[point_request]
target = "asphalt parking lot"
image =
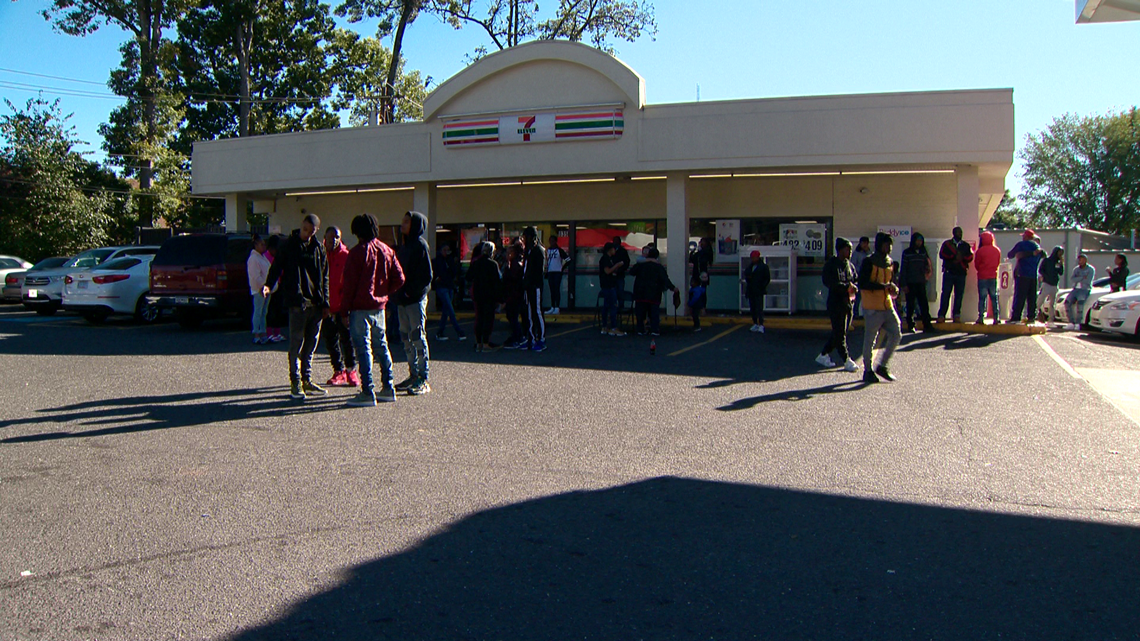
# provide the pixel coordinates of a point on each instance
(157, 483)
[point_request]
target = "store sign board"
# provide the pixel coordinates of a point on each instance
(727, 241)
(807, 239)
(534, 127)
(901, 235)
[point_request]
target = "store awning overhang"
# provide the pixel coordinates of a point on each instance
(1089, 11)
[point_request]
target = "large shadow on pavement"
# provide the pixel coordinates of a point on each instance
(672, 558)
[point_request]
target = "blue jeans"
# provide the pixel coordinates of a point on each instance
(609, 308)
(443, 298)
(260, 309)
(988, 287)
(369, 339)
(413, 319)
(1075, 305)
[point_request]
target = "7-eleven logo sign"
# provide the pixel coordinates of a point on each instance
(526, 129)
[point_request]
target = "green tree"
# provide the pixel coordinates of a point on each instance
(1085, 171)
(1011, 214)
(361, 66)
(48, 202)
(145, 21)
(254, 67)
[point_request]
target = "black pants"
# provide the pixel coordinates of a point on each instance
(1024, 295)
(696, 313)
(555, 281)
(756, 304)
(840, 323)
(304, 330)
(338, 341)
(917, 306)
(653, 310)
(534, 323)
(513, 309)
(484, 321)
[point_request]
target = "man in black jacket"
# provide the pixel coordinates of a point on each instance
(840, 279)
(411, 301)
(445, 283)
(303, 269)
(756, 280)
(650, 280)
(534, 260)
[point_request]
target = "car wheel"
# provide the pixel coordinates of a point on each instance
(45, 311)
(189, 319)
(96, 317)
(145, 312)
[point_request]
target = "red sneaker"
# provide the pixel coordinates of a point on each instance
(353, 378)
(338, 379)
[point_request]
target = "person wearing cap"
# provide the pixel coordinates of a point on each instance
(840, 278)
(1027, 252)
(876, 279)
(756, 279)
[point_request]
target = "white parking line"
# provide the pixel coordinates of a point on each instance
(1055, 356)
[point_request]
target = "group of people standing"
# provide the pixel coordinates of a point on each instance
(342, 293)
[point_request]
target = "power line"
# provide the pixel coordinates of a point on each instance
(40, 75)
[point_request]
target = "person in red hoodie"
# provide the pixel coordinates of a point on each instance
(335, 328)
(986, 261)
(371, 274)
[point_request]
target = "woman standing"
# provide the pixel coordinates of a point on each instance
(1118, 276)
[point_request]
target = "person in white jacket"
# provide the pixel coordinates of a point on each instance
(257, 266)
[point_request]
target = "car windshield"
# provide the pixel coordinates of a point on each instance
(118, 264)
(193, 251)
(90, 258)
(49, 263)
(10, 263)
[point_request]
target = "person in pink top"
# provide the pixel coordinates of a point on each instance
(337, 338)
(986, 261)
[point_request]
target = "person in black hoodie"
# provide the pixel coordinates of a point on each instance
(486, 290)
(916, 270)
(534, 262)
(445, 283)
(411, 301)
(302, 267)
(841, 280)
(1050, 271)
(650, 280)
(756, 280)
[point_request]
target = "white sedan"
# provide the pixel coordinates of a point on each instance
(1100, 288)
(12, 265)
(118, 286)
(1119, 312)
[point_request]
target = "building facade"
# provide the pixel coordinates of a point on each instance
(559, 135)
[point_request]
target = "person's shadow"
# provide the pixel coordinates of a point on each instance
(673, 558)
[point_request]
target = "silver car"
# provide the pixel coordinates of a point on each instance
(43, 290)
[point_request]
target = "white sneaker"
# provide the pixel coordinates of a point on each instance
(824, 360)
(754, 328)
(556, 310)
(761, 330)
(552, 310)
(850, 366)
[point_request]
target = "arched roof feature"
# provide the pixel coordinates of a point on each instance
(630, 84)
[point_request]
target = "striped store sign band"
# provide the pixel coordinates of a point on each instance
(537, 127)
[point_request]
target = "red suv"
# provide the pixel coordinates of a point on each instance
(201, 276)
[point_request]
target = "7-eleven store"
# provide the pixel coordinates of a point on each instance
(558, 135)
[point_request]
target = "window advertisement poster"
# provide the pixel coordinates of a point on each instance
(901, 235)
(727, 241)
(808, 240)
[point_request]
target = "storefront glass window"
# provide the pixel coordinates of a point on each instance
(590, 238)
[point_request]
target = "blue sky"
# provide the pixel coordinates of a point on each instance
(747, 49)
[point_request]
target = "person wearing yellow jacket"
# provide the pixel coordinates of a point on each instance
(876, 281)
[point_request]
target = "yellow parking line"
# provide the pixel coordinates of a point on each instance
(569, 331)
(714, 338)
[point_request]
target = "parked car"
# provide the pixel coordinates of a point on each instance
(200, 276)
(1100, 288)
(10, 265)
(1120, 313)
(14, 281)
(118, 286)
(43, 289)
